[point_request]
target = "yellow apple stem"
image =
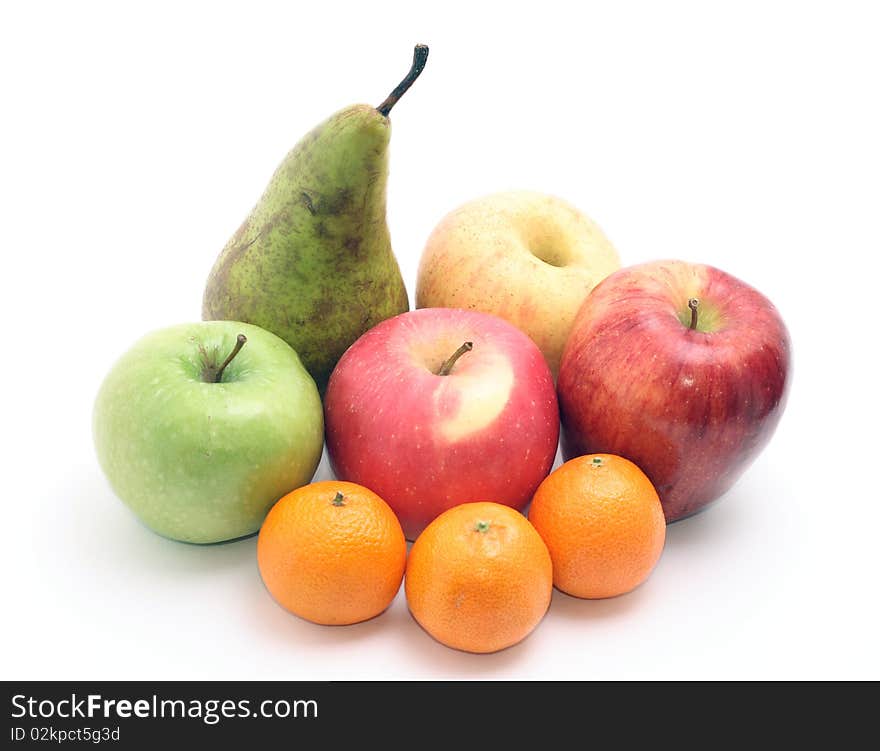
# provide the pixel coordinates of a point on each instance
(239, 343)
(693, 304)
(420, 57)
(447, 365)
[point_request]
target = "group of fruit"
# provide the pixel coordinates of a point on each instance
(441, 423)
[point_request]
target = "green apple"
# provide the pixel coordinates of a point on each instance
(201, 427)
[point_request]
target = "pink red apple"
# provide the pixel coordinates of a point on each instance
(438, 407)
(681, 368)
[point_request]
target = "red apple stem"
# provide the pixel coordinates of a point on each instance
(693, 304)
(239, 343)
(447, 365)
(420, 57)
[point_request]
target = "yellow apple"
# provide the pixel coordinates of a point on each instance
(527, 257)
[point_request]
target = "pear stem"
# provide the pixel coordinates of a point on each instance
(693, 304)
(447, 365)
(420, 57)
(239, 343)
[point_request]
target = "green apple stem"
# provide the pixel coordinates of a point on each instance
(447, 365)
(420, 57)
(239, 343)
(693, 304)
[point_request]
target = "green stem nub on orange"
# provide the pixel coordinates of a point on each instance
(482, 526)
(339, 500)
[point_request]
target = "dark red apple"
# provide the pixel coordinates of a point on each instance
(438, 407)
(681, 368)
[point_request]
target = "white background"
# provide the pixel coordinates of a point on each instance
(740, 134)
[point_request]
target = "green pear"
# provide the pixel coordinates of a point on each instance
(312, 263)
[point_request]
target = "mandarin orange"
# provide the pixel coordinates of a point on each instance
(602, 521)
(332, 552)
(479, 577)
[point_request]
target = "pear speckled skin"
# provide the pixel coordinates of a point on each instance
(201, 461)
(313, 261)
